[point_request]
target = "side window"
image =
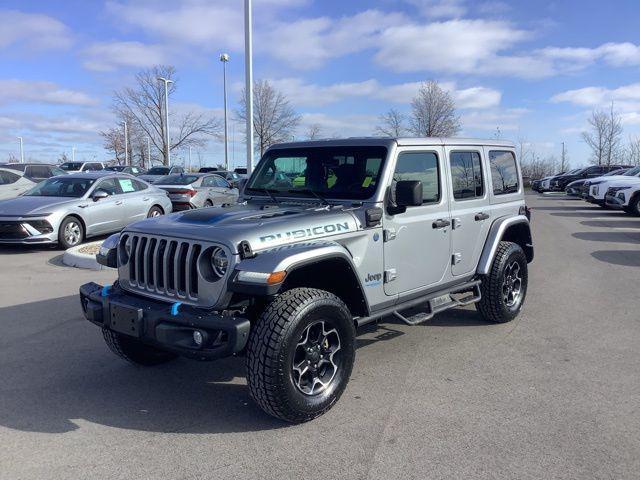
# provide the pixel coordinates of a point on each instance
(37, 171)
(7, 178)
(421, 166)
(109, 186)
(221, 182)
(504, 174)
(208, 182)
(126, 185)
(466, 175)
(139, 186)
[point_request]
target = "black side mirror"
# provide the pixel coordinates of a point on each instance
(99, 195)
(408, 193)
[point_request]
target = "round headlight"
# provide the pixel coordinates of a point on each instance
(127, 246)
(219, 262)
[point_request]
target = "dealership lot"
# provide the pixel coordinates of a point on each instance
(552, 395)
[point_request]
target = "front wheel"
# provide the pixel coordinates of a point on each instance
(505, 287)
(634, 206)
(300, 354)
(70, 232)
(154, 211)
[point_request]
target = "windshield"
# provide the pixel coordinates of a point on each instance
(71, 166)
(333, 172)
(117, 168)
(61, 187)
(158, 171)
(616, 172)
(178, 180)
(633, 172)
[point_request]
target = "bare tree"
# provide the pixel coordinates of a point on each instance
(314, 131)
(392, 124)
(434, 112)
(633, 151)
(142, 106)
(605, 136)
(63, 158)
(274, 119)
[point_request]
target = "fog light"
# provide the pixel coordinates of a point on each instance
(198, 339)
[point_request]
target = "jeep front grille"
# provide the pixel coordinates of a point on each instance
(164, 266)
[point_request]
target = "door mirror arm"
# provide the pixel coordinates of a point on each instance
(99, 195)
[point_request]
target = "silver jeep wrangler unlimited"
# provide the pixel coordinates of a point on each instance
(328, 236)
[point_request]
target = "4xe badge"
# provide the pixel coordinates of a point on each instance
(373, 279)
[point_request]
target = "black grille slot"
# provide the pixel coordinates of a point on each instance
(165, 267)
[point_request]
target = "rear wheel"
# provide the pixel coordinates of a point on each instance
(634, 206)
(70, 233)
(505, 287)
(208, 203)
(300, 354)
(134, 351)
(155, 211)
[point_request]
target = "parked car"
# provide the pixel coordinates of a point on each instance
(78, 167)
(597, 187)
(559, 183)
(545, 183)
(232, 177)
(575, 188)
(13, 183)
(130, 169)
(208, 169)
(156, 173)
(241, 171)
(67, 209)
(196, 190)
(625, 196)
(287, 276)
(36, 172)
(535, 185)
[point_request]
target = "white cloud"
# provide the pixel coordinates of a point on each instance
(440, 8)
(304, 94)
(340, 125)
(627, 96)
(32, 31)
(16, 91)
(108, 56)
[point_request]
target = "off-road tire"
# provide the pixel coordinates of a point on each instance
(492, 306)
(272, 345)
(134, 351)
(155, 211)
(62, 241)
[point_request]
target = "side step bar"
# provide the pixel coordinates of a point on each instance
(436, 302)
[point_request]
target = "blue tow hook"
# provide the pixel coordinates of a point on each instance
(105, 290)
(174, 308)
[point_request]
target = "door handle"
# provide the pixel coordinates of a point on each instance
(119, 202)
(440, 223)
(481, 216)
(145, 199)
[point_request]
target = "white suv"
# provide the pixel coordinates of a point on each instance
(625, 196)
(597, 188)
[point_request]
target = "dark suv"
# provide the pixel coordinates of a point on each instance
(559, 183)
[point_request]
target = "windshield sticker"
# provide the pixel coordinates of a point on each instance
(307, 232)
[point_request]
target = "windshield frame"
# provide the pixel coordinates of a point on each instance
(376, 151)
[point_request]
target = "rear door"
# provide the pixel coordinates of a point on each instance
(417, 242)
(470, 210)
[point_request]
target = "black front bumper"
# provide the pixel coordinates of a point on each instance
(613, 201)
(594, 200)
(164, 325)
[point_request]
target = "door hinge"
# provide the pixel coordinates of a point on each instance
(456, 223)
(389, 234)
(390, 275)
(456, 258)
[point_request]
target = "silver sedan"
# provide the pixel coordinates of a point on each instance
(196, 190)
(67, 209)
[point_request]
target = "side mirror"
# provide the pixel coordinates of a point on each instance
(99, 195)
(408, 193)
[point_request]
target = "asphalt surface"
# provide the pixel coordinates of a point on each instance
(554, 394)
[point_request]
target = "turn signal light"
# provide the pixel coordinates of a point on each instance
(276, 277)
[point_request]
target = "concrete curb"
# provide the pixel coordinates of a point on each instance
(74, 258)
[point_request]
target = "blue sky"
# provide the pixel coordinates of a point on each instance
(534, 69)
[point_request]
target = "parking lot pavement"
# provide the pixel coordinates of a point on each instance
(553, 394)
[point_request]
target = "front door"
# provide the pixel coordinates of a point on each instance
(470, 209)
(417, 248)
(105, 215)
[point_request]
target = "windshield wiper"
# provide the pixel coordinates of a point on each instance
(308, 191)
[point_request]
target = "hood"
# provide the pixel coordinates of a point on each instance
(616, 181)
(611, 178)
(576, 183)
(18, 206)
(261, 227)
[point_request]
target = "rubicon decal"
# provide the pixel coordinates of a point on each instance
(307, 232)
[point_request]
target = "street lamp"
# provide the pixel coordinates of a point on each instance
(73, 154)
(126, 144)
(248, 72)
(224, 58)
(21, 150)
(166, 82)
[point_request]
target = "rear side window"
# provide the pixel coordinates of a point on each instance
(139, 186)
(504, 174)
(37, 171)
(421, 166)
(466, 175)
(126, 185)
(7, 178)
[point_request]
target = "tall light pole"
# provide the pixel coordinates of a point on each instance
(189, 167)
(126, 144)
(73, 154)
(224, 58)
(248, 72)
(166, 82)
(21, 150)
